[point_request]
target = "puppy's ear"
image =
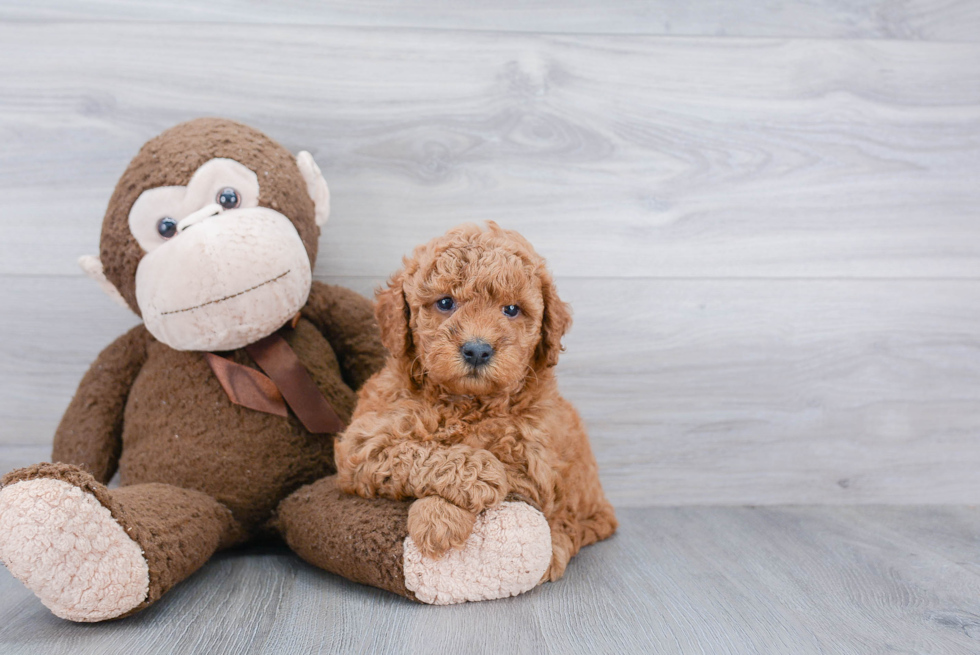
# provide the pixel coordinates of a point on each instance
(393, 316)
(555, 322)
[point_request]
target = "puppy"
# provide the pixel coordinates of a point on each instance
(466, 411)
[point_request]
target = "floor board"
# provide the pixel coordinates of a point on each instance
(673, 580)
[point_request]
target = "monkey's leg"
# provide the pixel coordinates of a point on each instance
(367, 541)
(92, 554)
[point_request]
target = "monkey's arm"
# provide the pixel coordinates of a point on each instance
(346, 319)
(90, 432)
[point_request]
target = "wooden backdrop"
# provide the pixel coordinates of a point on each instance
(765, 215)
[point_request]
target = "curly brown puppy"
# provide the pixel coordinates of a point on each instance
(466, 411)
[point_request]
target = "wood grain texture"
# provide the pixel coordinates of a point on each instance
(673, 580)
(941, 20)
(772, 246)
(695, 391)
(618, 156)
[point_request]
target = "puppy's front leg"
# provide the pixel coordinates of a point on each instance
(436, 525)
(382, 460)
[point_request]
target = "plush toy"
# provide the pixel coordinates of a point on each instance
(224, 402)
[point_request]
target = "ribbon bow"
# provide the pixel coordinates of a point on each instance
(286, 382)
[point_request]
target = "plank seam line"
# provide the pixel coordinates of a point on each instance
(471, 30)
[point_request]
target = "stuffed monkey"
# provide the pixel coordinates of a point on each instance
(219, 411)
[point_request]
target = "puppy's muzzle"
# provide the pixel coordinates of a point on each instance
(477, 353)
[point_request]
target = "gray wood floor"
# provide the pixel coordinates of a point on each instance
(713, 580)
(791, 579)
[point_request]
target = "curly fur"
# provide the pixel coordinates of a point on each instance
(429, 426)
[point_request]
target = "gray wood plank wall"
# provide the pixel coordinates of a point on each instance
(933, 20)
(769, 228)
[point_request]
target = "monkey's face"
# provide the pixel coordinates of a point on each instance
(220, 271)
(211, 235)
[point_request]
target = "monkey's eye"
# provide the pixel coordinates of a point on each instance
(446, 304)
(167, 227)
(511, 311)
(228, 198)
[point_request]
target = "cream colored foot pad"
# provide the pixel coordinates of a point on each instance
(507, 554)
(66, 547)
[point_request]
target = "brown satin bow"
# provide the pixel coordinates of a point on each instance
(286, 382)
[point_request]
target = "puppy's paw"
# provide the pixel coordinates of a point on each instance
(484, 482)
(436, 525)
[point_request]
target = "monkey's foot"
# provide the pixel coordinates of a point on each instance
(507, 554)
(62, 543)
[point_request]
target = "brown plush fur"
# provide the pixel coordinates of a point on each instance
(198, 472)
(357, 538)
(246, 460)
(430, 427)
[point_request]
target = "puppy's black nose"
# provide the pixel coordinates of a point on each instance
(476, 353)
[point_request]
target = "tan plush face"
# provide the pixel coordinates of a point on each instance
(211, 234)
(220, 272)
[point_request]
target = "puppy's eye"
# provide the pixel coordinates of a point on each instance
(228, 198)
(167, 227)
(446, 304)
(511, 311)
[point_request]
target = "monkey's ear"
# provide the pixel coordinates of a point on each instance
(93, 268)
(315, 185)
